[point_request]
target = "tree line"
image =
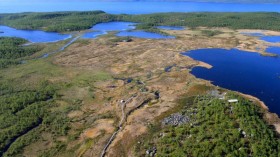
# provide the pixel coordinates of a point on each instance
(76, 21)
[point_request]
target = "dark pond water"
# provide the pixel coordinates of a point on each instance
(247, 72)
(171, 27)
(132, 7)
(143, 34)
(33, 36)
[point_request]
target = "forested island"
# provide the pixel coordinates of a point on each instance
(71, 103)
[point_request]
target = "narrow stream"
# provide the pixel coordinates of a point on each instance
(39, 122)
(61, 49)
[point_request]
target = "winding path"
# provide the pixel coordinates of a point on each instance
(123, 104)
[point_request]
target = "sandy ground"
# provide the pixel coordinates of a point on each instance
(101, 125)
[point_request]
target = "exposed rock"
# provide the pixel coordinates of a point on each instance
(176, 119)
(151, 152)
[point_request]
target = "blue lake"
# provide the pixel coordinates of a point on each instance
(247, 72)
(103, 28)
(271, 39)
(132, 7)
(171, 27)
(273, 49)
(114, 26)
(92, 35)
(125, 29)
(33, 36)
(143, 34)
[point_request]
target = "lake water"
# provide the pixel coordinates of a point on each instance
(170, 27)
(273, 49)
(103, 28)
(125, 29)
(93, 35)
(135, 7)
(247, 72)
(114, 26)
(271, 39)
(36, 36)
(33, 36)
(143, 34)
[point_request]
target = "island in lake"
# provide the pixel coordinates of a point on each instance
(99, 84)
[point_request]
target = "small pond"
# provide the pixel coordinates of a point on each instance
(171, 27)
(253, 34)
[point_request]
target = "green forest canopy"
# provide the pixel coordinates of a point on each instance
(216, 128)
(75, 21)
(12, 49)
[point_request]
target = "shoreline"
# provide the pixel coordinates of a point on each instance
(253, 98)
(270, 117)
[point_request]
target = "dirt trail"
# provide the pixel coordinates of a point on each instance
(123, 104)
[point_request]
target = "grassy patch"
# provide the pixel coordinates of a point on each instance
(211, 33)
